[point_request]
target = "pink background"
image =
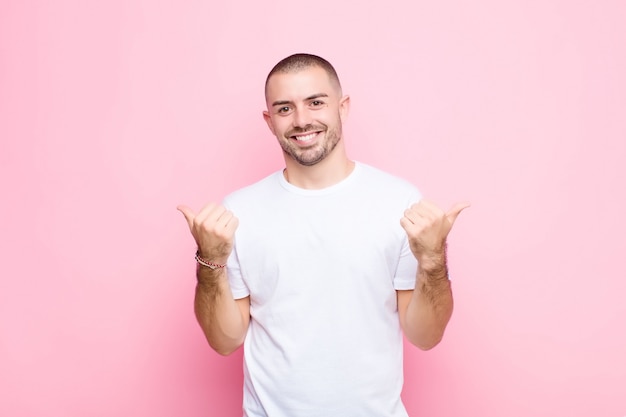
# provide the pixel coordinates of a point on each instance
(114, 112)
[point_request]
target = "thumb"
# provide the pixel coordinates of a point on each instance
(454, 212)
(188, 213)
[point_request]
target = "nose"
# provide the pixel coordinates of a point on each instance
(301, 118)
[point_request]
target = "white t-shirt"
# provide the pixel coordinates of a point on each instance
(322, 268)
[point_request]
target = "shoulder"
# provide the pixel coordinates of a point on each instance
(383, 182)
(256, 192)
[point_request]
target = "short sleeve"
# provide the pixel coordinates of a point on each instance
(237, 284)
(406, 272)
(238, 287)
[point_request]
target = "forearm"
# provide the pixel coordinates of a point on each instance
(218, 314)
(430, 306)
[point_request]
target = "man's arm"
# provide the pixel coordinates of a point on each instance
(426, 311)
(223, 319)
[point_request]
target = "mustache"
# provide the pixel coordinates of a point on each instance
(305, 129)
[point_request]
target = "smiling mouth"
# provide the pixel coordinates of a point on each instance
(305, 138)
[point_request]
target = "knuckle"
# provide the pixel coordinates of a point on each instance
(208, 228)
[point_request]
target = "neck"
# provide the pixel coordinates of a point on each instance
(333, 169)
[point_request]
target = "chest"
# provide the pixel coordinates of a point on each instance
(312, 246)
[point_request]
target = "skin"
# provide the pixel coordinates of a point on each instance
(305, 102)
(308, 105)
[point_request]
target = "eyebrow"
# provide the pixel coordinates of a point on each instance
(313, 97)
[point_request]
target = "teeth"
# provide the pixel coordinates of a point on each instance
(305, 138)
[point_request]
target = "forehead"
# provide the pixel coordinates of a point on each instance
(299, 84)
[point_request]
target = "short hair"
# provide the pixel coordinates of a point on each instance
(299, 62)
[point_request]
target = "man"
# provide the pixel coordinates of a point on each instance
(318, 268)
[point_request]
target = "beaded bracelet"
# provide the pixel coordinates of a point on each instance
(206, 263)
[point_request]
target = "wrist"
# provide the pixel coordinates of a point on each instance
(433, 261)
(208, 262)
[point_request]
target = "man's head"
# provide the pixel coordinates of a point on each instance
(305, 107)
(299, 62)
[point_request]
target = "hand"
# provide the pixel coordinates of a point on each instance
(427, 227)
(213, 228)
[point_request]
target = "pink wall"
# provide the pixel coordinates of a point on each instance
(113, 113)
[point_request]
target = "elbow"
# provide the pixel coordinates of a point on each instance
(427, 345)
(225, 349)
(425, 341)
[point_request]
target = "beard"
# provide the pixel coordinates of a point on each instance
(318, 151)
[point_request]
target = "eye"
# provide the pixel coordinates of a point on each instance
(317, 103)
(284, 109)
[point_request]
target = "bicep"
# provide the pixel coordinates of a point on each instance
(404, 298)
(244, 308)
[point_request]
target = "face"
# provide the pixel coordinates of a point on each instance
(305, 113)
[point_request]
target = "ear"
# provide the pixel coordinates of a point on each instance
(344, 107)
(268, 120)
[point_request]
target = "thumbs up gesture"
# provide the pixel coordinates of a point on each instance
(427, 227)
(213, 228)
